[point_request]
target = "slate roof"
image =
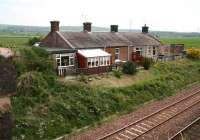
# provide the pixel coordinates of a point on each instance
(102, 39)
(141, 39)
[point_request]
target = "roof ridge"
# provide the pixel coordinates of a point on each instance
(152, 36)
(65, 40)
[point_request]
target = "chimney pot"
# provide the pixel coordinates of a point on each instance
(145, 29)
(87, 26)
(55, 26)
(114, 28)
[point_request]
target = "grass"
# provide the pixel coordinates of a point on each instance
(17, 41)
(190, 42)
(109, 80)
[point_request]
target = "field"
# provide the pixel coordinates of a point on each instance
(23, 40)
(190, 42)
(13, 41)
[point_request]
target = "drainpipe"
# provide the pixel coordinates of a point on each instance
(128, 53)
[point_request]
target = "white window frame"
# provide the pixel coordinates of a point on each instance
(102, 61)
(140, 50)
(117, 53)
(59, 59)
(93, 60)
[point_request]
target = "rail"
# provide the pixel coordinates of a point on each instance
(149, 116)
(182, 130)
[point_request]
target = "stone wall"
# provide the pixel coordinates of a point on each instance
(8, 76)
(6, 125)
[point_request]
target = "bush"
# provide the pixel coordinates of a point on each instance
(193, 53)
(34, 40)
(34, 59)
(117, 73)
(147, 62)
(129, 67)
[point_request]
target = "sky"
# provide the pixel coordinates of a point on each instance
(162, 15)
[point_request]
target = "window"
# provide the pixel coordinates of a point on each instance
(104, 61)
(139, 51)
(117, 53)
(108, 60)
(101, 61)
(154, 50)
(64, 60)
(58, 62)
(149, 50)
(98, 61)
(93, 62)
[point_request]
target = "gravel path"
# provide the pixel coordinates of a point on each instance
(108, 127)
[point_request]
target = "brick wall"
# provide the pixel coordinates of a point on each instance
(123, 53)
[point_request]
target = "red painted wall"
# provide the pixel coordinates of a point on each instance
(82, 61)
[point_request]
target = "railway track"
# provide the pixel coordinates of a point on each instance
(144, 126)
(191, 131)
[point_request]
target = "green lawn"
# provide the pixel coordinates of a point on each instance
(189, 42)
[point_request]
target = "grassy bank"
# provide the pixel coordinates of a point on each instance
(45, 108)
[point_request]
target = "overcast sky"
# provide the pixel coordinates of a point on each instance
(168, 15)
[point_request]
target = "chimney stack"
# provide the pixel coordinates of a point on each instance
(145, 29)
(113, 28)
(54, 26)
(87, 26)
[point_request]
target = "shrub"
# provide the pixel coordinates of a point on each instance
(117, 73)
(34, 59)
(193, 53)
(129, 67)
(34, 40)
(147, 62)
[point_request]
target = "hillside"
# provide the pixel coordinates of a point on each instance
(38, 30)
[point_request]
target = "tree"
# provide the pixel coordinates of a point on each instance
(147, 63)
(34, 40)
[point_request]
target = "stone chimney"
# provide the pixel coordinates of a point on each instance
(54, 26)
(87, 26)
(145, 29)
(113, 28)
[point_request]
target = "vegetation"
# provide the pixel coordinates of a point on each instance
(190, 42)
(34, 40)
(129, 67)
(46, 109)
(193, 53)
(147, 62)
(117, 73)
(13, 41)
